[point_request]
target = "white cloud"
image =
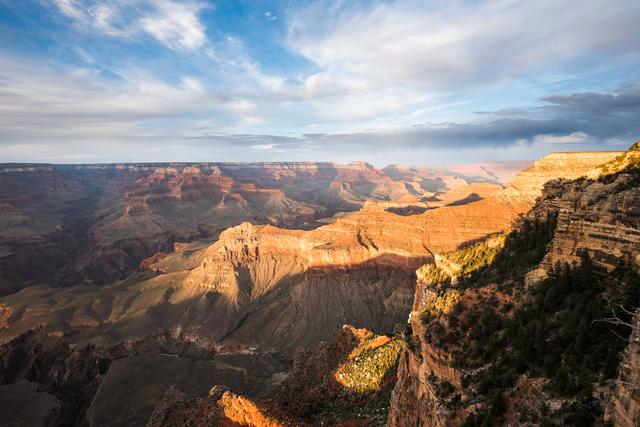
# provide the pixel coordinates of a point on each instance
(572, 138)
(263, 146)
(175, 24)
(192, 84)
(240, 70)
(395, 50)
(70, 8)
(446, 41)
(270, 16)
(40, 101)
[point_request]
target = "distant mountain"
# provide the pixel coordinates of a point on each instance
(67, 224)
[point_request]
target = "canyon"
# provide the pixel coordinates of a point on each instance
(68, 224)
(233, 282)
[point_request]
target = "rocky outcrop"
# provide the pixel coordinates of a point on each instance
(220, 408)
(350, 378)
(598, 216)
(345, 382)
(528, 183)
(596, 219)
(623, 408)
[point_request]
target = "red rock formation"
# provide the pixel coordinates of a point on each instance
(597, 217)
(343, 383)
(220, 408)
(528, 184)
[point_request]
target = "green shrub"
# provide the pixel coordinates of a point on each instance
(365, 373)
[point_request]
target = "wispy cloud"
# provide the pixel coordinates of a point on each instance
(463, 42)
(571, 138)
(38, 100)
(175, 24)
(263, 146)
(395, 50)
(386, 80)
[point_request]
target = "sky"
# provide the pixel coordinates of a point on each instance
(404, 81)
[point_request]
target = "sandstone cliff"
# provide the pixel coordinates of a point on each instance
(468, 354)
(528, 184)
(220, 408)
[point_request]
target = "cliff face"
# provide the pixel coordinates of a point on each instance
(453, 367)
(623, 409)
(599, 217)
(528, 184)
(220, 408)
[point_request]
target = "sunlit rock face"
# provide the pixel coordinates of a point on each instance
(595, 217)
(68, 224)
(344, 381)
(528, 183)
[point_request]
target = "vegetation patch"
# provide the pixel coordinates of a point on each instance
(627, 161)
(499, 331)
(523, 249)
(559, 334)
(366, 372)
(462, 262)
(349, 381)
(442, 303)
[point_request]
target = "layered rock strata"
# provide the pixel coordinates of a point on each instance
(68, 224)
(597, 218)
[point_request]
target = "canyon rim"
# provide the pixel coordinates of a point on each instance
(324, 213)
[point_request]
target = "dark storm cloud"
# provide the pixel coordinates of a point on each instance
(586, 120)
(591, 117)
(624, 102)
(599, 116)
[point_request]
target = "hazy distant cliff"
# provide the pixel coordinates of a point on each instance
(68, 224)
